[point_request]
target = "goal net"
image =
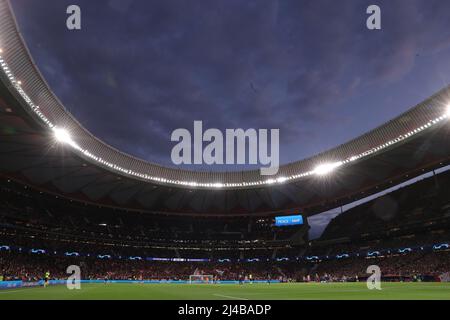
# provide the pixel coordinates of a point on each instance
(445, 277)
(201, 278)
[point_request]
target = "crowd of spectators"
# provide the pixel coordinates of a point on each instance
(429, 265)
(31, 267)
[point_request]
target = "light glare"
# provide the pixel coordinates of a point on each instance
(326, 168)
(62, 135)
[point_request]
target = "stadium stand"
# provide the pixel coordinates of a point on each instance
(405, 232)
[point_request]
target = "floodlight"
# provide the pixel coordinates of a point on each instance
(62, 135)
(326, 168)
(447, 110)
(281, 179)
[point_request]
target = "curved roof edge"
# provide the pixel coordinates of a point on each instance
(39, 100)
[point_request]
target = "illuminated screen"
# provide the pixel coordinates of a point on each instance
(288, 220)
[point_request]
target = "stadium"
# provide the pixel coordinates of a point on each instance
(139, 230)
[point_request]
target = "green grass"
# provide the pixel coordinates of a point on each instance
(296, 291)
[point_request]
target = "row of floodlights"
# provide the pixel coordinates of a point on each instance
(63, 136)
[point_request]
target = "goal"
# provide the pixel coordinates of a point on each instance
(201, 278)
(445, 277)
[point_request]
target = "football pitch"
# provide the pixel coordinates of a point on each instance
(291, 291)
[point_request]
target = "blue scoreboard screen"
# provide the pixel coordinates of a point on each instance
(288, 220)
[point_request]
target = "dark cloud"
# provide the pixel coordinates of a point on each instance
(140, 69)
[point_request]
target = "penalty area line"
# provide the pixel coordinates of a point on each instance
(14, 290)
(229, 297)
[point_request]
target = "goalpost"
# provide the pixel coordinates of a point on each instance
(201, 278)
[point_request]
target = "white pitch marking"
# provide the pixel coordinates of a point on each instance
(14, 290)
(230, 297)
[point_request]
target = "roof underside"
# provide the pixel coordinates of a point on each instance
(28, 154)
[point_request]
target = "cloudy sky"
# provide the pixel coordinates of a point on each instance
(140, 69)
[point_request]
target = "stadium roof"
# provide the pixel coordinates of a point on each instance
(83, 167)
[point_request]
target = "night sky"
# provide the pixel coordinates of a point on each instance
(140, 69)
